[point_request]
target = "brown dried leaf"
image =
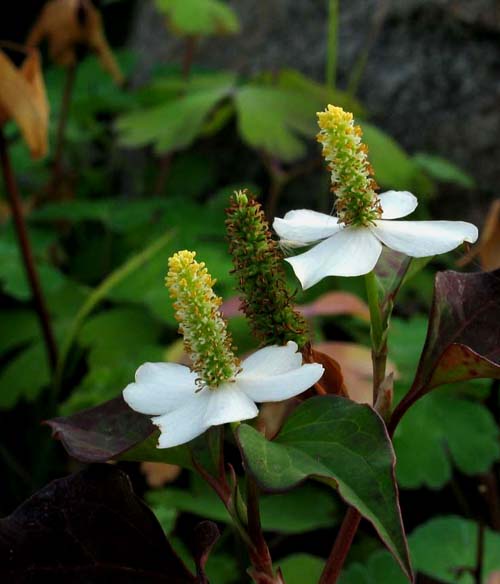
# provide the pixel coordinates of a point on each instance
(356, 363)
(332, 382)
(335, 303)
(159, 474)
(23, 99)
(488, 247)
(67, 24)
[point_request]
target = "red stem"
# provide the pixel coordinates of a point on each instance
(27, 253)
(341, 547)
(260, 556)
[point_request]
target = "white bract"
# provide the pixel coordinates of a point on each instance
(170, 393)
(341, 250)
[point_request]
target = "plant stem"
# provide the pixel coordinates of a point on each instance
(378, 336)
(360, 64)
(478, 572)
(27, 253)
(332, 46)
(63, 121)
(341, 547)
(99, 293)
(261, 558)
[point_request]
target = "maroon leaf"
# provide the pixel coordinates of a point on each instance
(101, 433)
(87, 527)
(114, 431)
(463, 338)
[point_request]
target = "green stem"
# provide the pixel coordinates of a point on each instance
(99, 294)
(378, 336)
(332, 47)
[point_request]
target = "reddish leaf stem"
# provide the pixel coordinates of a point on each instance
(341, 547)
(27, 253)
(260, 556)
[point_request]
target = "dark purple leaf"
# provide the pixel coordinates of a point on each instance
(114, 431)
(463, 338)
(101, 433)
(89, 527)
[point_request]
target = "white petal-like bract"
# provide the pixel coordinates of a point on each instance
(273, 360)
(303, 227)
(396, 204)
(184, 423)
(351, 252)
(424, 238)
(183, 411)
(227, 404)
(159, 388)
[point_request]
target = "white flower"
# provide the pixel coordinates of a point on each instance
(169, 392)
(353, 251)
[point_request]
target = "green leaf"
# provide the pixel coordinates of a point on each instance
(19, 327)
(24, 376)
(343, 444)
(288, 513)
(379, 568)
(291, 79)
(13, 278)
(456, 540)
(175, 124)
(301, 568)
(443, 549)
(132, 265)
(443, 170)
(431, 439)
(199, 17)
(274, 119)
(393, 167)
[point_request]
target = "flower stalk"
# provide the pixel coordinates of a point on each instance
(378, 334)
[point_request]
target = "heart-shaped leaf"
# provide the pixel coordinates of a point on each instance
(343, 444)
(89, 526)
(113, 431)
(463, 335)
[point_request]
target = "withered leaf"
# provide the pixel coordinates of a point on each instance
(68, 24)
(24, 100)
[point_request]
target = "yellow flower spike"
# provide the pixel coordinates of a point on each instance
(206, 337)
(357, 202)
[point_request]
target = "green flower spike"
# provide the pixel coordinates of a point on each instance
(206, 338)
(257, 261)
